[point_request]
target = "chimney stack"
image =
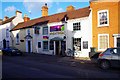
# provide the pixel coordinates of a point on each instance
(26, 18)
(5, 18)
(18, 13)
(44, 10)
(70, 8)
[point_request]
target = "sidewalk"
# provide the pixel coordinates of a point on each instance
(58, 59)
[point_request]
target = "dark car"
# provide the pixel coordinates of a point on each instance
(11, 51)
(109, 58)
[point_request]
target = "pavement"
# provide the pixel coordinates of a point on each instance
(75, 62)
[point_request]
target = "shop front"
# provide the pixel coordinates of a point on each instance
(59, 46)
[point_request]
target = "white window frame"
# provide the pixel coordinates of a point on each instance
(43, 30)
(99, 41)
(99, 18)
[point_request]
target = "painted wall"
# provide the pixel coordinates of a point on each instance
(112, 8)
(85, 35)
(119, 17)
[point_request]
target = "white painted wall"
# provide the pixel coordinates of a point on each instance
(9, 26)
(85, 34)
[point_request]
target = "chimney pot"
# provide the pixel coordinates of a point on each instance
(70, 8)
(26, 18)
(44, 10)
(5, 18)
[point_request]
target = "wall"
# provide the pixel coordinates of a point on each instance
(85, 34)
(113, 21)
(22, 45)
(119, 17)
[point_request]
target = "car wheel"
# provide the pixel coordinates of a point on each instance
(104, 64)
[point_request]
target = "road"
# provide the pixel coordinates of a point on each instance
(44, 66)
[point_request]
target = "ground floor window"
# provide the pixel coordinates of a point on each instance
(103, 41)
(51, 45)
(45, 45)
(39, 44)
(77, 44)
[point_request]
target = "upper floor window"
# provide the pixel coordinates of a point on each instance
(36, 30)
(17, 38)
(45, 30)
(28, 32)
(76, 26)
(7, 33)
(103, 18)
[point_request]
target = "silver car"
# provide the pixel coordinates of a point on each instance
(109, 58)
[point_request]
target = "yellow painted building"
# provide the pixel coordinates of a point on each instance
(105, 24)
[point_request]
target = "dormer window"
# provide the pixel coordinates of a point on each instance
(103, 18)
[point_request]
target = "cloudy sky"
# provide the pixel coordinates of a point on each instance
(33, 7)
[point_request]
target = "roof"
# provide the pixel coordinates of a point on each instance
(79, 13)
(8, 20)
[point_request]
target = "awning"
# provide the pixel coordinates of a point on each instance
(57, 39)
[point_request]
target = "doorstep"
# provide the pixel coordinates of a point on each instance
(82, 58)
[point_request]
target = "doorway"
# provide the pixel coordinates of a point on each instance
(57, 50)
(29, 46)
(118, 42)
(4, 43)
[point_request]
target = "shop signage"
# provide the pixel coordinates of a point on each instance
(45, 37)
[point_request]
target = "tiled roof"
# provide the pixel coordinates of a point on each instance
(79, 13)
(8, 20)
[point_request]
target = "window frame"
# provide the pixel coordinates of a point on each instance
(98, 16)
(99, 41)
(47, 45)
(77, 24)
(43, 33)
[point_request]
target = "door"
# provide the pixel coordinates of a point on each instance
(4, 43)
(29, 46)
(63, 47)
(118, 42)
(57, 48)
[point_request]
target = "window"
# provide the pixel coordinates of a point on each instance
(7, 44)
(28, 32)
(45, 30)
(51, 45)
(45, 45)
(7, 33)
(17, 38)
(77, 44)
(76, 26)
(39, 44)
(103, 41)
(85, 44)
(103, 19)
(36, 30)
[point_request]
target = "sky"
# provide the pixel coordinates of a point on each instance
(33, 7)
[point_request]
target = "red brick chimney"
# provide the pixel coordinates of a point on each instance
(5, 18)
(26, 18)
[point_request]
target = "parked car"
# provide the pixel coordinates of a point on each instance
(11, 51)
(109, 58)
